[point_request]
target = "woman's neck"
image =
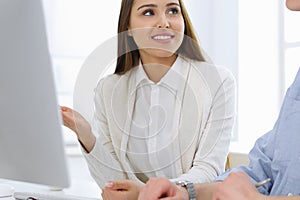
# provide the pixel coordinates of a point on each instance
(156, 68)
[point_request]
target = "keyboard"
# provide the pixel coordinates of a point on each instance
(47, 196)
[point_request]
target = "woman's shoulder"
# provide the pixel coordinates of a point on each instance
(112, 81)
(209, 69)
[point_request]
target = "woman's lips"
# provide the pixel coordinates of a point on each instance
(163, 38)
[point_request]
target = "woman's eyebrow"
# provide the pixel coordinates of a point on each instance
(173, 4)
(155, 6)
(147, 5)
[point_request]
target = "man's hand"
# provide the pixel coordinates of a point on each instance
(237, 186)
(162, 188)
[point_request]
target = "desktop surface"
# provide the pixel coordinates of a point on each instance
(83, 189)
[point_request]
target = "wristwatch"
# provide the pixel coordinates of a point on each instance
(190, 188)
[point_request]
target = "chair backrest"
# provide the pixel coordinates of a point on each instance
(236, 159)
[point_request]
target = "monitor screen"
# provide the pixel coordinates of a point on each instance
(31, 141)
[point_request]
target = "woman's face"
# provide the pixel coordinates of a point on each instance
(157, 27)
(293, 4)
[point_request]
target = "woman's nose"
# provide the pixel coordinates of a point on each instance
(163, 22)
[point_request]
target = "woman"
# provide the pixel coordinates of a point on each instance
(165, 111)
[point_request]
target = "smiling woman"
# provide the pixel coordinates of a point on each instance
(157, 30)
(165, 111)
(146, 16)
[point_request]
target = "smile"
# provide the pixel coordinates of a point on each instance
(163, 37)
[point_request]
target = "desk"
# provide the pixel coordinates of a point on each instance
(78, 188)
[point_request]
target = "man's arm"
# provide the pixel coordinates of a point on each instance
(282, 198)
(238, 186)
(205, 191)
(161, 188)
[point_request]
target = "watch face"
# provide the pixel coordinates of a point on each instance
(182, 183)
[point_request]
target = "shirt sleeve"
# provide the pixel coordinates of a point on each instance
(209, 160)
(102, 160)
(262, 156)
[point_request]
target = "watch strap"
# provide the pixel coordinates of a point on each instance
(190, 188)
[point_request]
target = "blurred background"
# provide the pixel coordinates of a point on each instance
(259, 41)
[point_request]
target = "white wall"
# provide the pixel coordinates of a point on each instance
(259, 78)
(244, 36)
(216, 22)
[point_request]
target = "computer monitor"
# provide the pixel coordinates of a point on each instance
(31, 140)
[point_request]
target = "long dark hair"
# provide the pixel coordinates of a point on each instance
(128, 54)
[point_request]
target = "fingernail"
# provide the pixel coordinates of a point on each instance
(109, 184)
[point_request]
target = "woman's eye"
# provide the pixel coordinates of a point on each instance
(173, 11)
(148, 13)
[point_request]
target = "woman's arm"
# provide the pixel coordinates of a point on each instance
(103, 164)
(80, 126)
(209, 160)
(102, 160)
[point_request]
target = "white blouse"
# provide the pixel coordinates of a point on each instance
(184, 123)
(155, 122)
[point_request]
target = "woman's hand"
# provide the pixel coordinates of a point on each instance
(77, 123)
(121, 190)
